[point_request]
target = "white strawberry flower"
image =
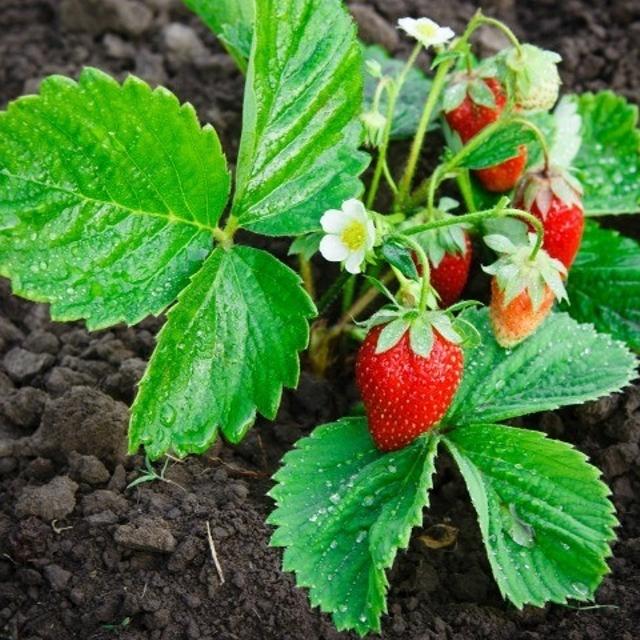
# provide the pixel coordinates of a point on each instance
(425, 31)
(350, 234)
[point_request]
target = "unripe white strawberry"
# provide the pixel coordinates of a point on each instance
(535, 78)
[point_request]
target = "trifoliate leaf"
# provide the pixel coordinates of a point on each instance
(608, 164)
(232, 21)
(109, 195)
(604, 284)
(544, 514)
(226, 351)
(299, 152)
(412, 95)
(501, 146)
(562, 363)
(342, 530)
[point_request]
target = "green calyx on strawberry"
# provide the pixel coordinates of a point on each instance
(554, 196)
(473, 100)
(522, 289)
(408, 370)
(533, 75)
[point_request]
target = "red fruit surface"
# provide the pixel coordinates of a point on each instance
(450, 277)
(563, 228)
(504, 176)
(405, 394)
(518, 320)
(469, 118)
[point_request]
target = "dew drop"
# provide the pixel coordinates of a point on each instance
(167, 415)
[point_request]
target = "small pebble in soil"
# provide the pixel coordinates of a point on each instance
(87, 469)
(146, 534)
(52, 501)
(22, 365)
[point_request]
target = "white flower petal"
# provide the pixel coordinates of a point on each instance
(332, 249)
(354, 210)
(354, 261)
(333, 221)
(426, 31)
(408, 25)
(443, 35)
(371, 235)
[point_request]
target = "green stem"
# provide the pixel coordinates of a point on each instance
(426, 272)
(464, 185)
(542, 140)
(381, 163)
(492, 22)
(479, 216)
(347, 293)
(359, 306)
(225, 236)
(307, 276)
(414, 154)
(330, 294)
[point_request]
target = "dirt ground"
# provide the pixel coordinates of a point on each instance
(82, 557)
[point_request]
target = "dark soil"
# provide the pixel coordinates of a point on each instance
(83, 557)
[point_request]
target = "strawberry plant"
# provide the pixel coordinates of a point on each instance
(115, 203)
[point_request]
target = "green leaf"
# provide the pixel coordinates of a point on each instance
(109, 195)
(226, 351)
(232, 21)
(562, 363)
(604, 284)
(299, 148)
(412, 95)
(547, 125)
(608, 162)
(342, 529)
(397, 255)
(544, 514)
(501, 146)
(306, 246)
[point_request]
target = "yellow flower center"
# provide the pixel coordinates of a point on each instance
(354, 235)
(428, 30)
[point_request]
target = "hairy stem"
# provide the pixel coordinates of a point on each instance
(359, 306)
(414, 154)
(381, 163)
(306, 271)
(479, 216)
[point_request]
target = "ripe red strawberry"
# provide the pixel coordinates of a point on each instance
(469, 117)
(449, 251)
(554, 197)
(504, 176)
(404, 393)
(514, 322)
(450, 277)
(523, 288)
